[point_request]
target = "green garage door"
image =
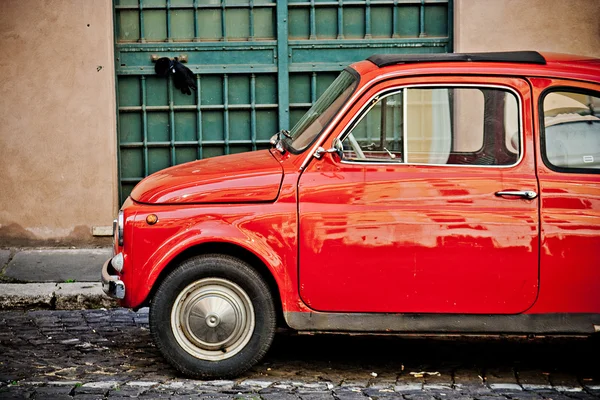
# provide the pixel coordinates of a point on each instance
(259, 65)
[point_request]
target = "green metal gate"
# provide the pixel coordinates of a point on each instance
(259, 65)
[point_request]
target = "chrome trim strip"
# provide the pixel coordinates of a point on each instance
(404, 126)
(120, 227)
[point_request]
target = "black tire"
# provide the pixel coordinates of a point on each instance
(212, 288)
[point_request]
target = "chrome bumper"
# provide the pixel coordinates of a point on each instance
(111, 284)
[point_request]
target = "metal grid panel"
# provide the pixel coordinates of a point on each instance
(260, 64)
(328, 19)
(193, 20)
(160, 127)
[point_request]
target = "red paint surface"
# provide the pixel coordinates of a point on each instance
(238, 178)
(419, 239)
(389, 239)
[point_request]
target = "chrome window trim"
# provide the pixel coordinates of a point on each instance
(564, 87)
(120, 228)
(394, 89)
(404, 126)
(358, 93)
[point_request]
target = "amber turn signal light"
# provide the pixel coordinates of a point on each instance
(151, 219)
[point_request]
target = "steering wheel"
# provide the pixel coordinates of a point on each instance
(355, 146)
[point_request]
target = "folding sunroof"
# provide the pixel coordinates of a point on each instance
(525, 57)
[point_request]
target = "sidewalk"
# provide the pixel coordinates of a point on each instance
(52, 278)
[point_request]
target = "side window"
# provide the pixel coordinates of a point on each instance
(378, 134)
(441, 126)
(571, 138)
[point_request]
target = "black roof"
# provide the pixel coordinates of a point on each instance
(527, 57)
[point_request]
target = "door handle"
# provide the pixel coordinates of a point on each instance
(525, 194)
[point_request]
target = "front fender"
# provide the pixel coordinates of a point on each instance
(264, 235)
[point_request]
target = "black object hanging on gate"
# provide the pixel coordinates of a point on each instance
(183, 77)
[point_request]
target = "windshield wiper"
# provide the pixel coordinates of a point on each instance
(277, 142)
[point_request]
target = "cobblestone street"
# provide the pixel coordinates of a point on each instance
(109, 354)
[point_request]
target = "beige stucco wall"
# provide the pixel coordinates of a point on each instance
(563, 26)
(57, 120)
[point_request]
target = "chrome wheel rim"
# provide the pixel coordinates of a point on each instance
(212, 319)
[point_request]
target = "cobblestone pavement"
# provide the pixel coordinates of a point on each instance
(97, 354)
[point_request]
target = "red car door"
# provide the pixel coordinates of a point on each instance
(432, 208)
(568, 172)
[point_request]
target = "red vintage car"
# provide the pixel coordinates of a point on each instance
(446, 193)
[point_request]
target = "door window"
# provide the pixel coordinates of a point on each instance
(571, 139)
(441, 126)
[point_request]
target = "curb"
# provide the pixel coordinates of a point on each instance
(52, 265)
(55, 296)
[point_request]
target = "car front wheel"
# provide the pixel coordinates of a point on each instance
(213, 317)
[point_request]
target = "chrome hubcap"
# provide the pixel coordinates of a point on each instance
(212, 319)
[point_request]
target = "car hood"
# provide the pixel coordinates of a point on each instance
(239, 178)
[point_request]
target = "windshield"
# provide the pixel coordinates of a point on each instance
(319, 115)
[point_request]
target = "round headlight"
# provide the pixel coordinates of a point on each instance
(117, 262)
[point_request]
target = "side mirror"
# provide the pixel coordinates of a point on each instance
(337, 148)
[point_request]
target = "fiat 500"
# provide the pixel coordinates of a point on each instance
(449, 193)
